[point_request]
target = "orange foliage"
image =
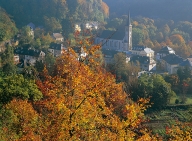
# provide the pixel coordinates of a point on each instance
(80, 102)
(105, 8)
(179, 132)
(177, 39)
(24, 121)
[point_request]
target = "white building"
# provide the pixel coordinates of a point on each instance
(143, 51)
(58, 37)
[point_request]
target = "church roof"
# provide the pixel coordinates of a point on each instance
(115, 35)
(173, 59)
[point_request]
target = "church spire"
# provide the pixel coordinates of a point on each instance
(128, 19)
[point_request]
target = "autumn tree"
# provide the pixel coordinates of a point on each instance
(83, 102)
(19, 121)
(105, 9)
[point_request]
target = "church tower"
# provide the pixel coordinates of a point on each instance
(128, 33)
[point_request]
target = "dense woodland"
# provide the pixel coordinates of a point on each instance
(68, 99)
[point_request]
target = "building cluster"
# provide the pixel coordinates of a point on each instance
(112, 42)
(28, 56)
(170, 62)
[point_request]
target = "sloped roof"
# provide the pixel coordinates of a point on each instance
(140, 59)
(57, 35)
(166, 50)
(173, 59)
(187, 62)
(116, 35)
(26, 51)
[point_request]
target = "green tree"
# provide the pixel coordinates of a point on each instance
(7, 26)
(184, 73)
(26, 36)
(138, 36)
(153, 87)
(16, 86)
(52, 24)
(8, 65)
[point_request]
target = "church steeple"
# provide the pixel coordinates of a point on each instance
(128, 32)
(128, 19)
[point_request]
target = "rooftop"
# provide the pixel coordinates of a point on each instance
(173, 59)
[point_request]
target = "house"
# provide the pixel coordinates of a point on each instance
(58, 37)
(171, 63)
(30, 56)
(142, 51)
(164, 51)
(145, 62)
(116, 40)
(56, 49)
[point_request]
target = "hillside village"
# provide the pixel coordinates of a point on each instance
(74, 70)
(163, 61)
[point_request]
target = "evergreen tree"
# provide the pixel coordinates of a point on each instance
(8, 61)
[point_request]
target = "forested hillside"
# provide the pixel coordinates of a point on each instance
(165, 9)
(40, 12)
(7, 26)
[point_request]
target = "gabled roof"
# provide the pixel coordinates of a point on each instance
(26, 51)
(116, 35)
(187, 62)
(57, 35)
(140, 59)
(166, 50)
(172, 59)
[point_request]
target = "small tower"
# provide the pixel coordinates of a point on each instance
(128, 33)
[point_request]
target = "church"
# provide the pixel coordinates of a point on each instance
(116, 40)
(113, 42)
